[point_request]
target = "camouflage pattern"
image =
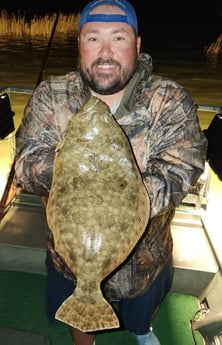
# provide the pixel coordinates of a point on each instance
(160, 120)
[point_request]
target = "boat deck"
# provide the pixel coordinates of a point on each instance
(10, 336)
(22, 235)
(22, 250)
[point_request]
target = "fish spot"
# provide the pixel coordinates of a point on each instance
(118, 184)
(90, 135)
(122, 183)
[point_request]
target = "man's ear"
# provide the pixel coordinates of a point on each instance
(138, 44)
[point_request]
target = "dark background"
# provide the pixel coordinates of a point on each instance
(199, 20)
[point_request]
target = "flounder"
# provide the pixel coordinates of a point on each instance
(98, 209)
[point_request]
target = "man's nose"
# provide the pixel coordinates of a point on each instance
(106, 49)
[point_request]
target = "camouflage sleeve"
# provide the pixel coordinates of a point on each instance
(169, 146)
(177, 148)
(36, 140)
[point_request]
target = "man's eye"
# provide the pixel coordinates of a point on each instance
(119, 38)
(92, 39)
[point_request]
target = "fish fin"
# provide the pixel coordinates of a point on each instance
(86, 316)
(143, 208)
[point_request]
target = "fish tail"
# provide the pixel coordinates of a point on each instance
(86, 314)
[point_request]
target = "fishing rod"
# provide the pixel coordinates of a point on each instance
(42, 69)
(11, 175)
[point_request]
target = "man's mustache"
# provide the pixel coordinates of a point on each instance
(105, 61)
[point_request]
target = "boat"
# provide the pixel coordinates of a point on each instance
(190, 314)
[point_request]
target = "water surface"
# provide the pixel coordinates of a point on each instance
(21, 61)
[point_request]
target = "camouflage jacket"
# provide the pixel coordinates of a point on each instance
(160, 120)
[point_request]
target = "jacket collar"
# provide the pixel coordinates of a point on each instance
(143, 72)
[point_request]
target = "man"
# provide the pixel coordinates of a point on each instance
(160, 120)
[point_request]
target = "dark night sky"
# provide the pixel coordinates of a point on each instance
(162, 7)
(160, 17)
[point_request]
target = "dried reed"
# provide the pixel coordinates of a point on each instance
(17, 25)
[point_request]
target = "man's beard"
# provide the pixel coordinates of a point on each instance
(107, 84)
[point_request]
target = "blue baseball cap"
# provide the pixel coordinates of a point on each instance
(129, 17)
